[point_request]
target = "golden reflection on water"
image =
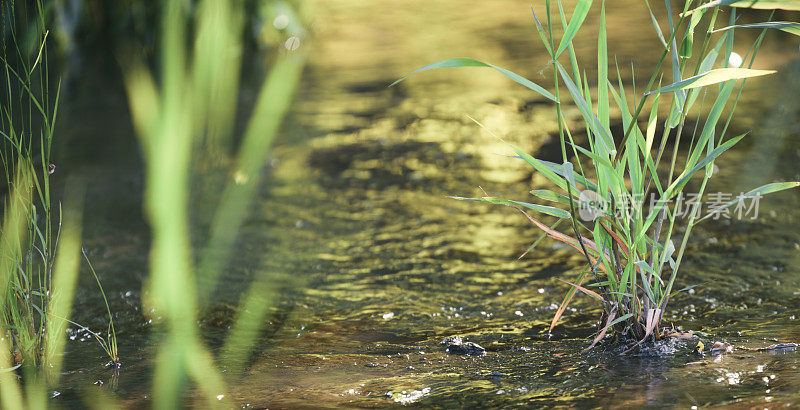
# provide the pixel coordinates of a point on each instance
(398, 265)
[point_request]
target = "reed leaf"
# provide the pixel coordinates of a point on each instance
(468, 62)
(713, 77)
(548, 210)
(753, 4)
(786, 26)
(754, 193)
(581, 10)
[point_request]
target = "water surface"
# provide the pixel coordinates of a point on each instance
(373, 265)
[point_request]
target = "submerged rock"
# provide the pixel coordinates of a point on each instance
(456, 345)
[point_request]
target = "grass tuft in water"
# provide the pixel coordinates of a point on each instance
(34, 298)
(605, 189)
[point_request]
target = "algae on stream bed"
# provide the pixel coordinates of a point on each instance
(373, 266)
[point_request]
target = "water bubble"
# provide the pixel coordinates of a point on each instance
(292, 43)
(281, 21)
(240, 178)
(735, 60)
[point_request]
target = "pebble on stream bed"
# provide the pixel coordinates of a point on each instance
(456, 345)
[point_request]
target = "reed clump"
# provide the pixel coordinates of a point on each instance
(604, 186)
(34, 298)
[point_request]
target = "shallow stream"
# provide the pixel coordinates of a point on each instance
(373, 266)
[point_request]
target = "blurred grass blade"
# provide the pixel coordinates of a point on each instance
(468, 62)
(581, 10)
(755, 193)
(271, 106)
(12, 235)
(247, 326)
(713, 77)
(10, 391)
(65, 277)
(143, 101)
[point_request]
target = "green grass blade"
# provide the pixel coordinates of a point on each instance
(652, 122)
(713, 77)
(549, 195)
(653, 20)
(602, 70)
(617, 320)
(542, 33)
(581, 10)
(688, 39)
(535, 163)
(644, 267)
(711, 122)
(569, 173)
(578, 178)
(65, 278)
(548, 210)
(539, 239)
(557, 169)
(754, 193)
(594, 123)
(680, 95)
(754, 4)
(468, 62)
(705, 66)
(684, 177)
(786, 26)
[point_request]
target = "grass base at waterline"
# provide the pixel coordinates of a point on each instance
(631, 260)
